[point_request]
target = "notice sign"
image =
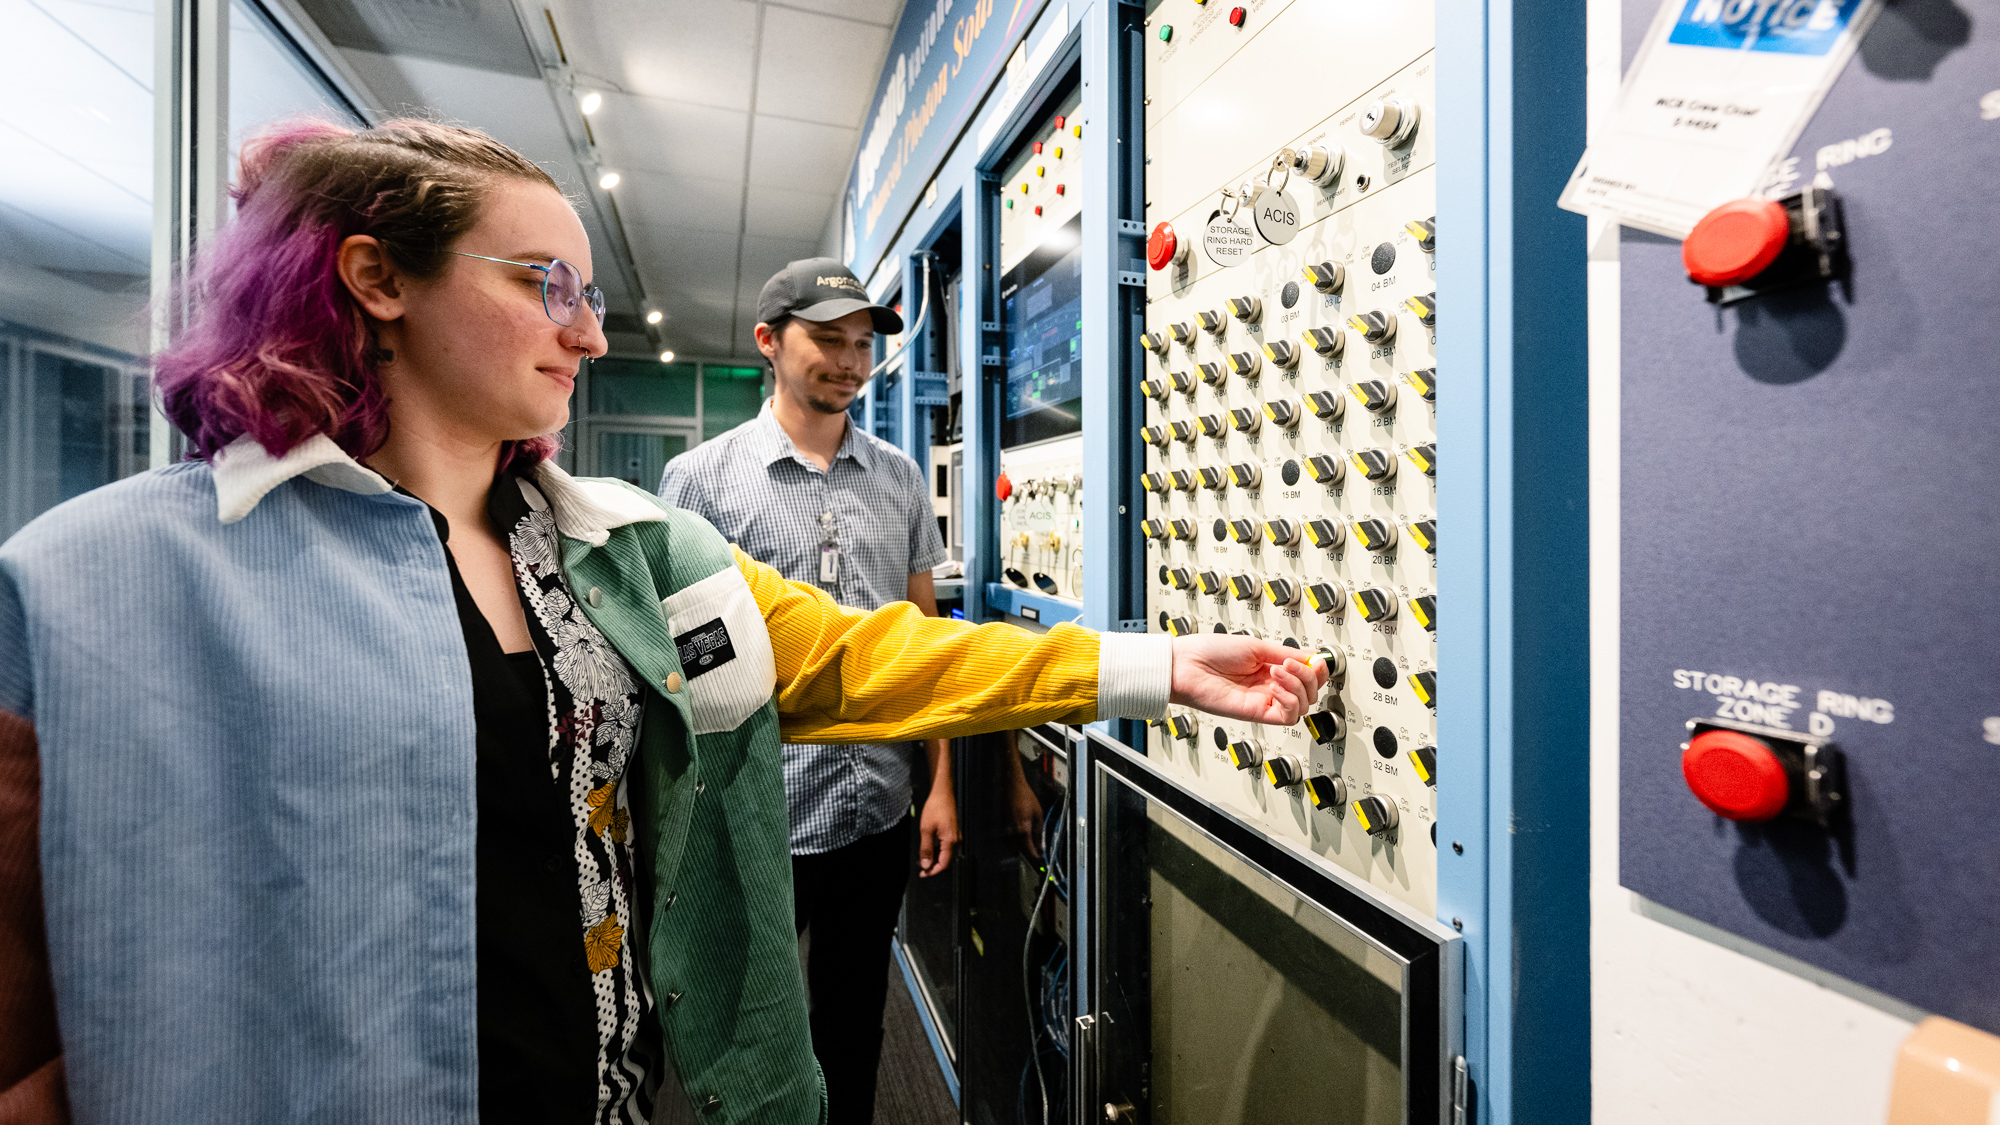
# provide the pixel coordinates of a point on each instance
(1719, 91)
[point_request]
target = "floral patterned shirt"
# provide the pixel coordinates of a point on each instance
(592, 708)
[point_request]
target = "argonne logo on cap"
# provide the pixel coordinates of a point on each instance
(838, 282)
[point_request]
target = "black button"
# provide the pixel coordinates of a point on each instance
(673, 998)
(1385, 742)
(1385, 672)
(1289, 295)
(1221, 628)
(1221, 531)
(1163, 615)
(1221, 739)
(1290, 472)
(712, 1106)
(1163, 574)
(1290, 643)
(1383, 259)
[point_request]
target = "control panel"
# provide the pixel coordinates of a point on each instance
(1290, 424)
(1808, 677)
(1040, 487)
(1041, 518)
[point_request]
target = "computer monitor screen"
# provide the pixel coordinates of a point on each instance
(1042, 306)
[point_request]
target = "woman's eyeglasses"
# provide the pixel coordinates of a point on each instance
(562, 288)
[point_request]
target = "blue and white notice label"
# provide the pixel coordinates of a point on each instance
(1795, 27)
(1715, 97)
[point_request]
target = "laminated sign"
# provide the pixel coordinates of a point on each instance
(1719, 92)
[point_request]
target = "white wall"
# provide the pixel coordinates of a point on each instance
(1690, 1024)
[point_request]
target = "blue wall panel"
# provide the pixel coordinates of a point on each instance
(1812, 498)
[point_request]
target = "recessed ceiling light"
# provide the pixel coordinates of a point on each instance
(591, 103)
(666, 357)
(655, 317)
(608, 181)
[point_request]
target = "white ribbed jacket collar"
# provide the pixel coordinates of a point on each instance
(245, 473)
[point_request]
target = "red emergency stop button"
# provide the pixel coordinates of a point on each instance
(1164, 247)
(1736, 242)
(1002, 487)
(1236, 17)
(1736, 775)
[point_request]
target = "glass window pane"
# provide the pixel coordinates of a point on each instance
(1230, 998)
(268, 80)
(637, 458)
(731, 396)
(638, 386)
(76, 229)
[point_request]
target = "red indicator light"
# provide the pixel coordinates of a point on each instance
(1038, 208)
(1038, 148)
(1736, 242)
(1736, 775)
(1002, 487)
(1236, 17)
(1059, 123)
(1059, 189)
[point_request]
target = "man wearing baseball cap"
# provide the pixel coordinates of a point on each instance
(802, 489)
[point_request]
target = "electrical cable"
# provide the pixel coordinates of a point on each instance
(910, 331)
(1028, 993)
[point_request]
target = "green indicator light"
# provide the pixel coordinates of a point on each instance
(1166, 32)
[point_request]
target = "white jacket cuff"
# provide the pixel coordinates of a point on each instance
(1135, 675)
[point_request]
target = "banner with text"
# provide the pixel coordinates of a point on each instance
(946, 55)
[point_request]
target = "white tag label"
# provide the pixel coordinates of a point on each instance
(829, 563)
(1225, 243)
(1276, 215)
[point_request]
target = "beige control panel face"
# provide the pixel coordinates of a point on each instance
(1290, 418)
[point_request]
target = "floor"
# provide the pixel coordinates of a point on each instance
(910, 1089)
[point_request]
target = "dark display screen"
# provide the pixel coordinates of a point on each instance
(1042, 301)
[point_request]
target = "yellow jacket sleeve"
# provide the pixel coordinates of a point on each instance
(845, 675)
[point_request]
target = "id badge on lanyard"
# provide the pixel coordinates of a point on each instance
(829, 552)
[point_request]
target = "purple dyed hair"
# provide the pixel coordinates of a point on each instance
(277, 347)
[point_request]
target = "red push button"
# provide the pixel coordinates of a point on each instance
(1236, 17)
(1163, 247)
(1002, 487)
(1736, 242)
(1736, 775)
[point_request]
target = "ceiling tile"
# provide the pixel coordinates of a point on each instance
(801, 155)
(816, 68)
(884, 13)
(656, 135)
(698, 53)
(649, 198)
(684, 257)
(763, 257)
(777, 213)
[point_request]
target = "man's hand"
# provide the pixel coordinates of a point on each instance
(937, 830)
(1246, 678)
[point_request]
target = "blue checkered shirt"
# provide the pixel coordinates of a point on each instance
(769, 500)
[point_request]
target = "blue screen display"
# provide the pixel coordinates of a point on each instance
(1042, 309)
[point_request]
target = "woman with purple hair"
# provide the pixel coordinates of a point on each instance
(367, 767)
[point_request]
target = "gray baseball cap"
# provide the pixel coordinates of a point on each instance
(821, 289)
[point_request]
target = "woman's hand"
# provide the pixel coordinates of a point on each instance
(1246, 678)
